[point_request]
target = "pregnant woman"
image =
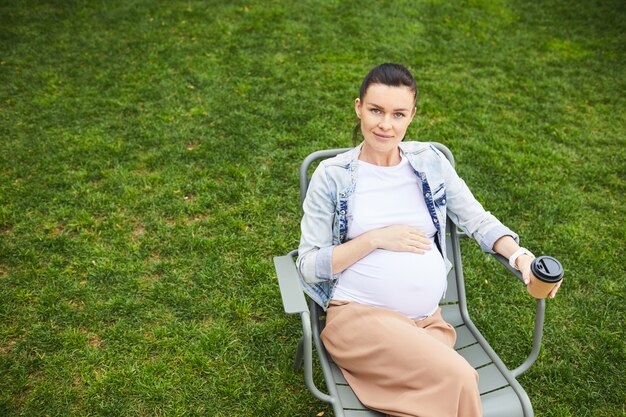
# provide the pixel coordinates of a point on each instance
(372, 254)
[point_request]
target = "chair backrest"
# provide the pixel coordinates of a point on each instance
(329, 153)
(452, 292)
(308, 163)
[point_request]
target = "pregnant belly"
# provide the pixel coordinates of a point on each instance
(409, 283)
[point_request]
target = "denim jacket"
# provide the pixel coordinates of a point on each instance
(327, 212)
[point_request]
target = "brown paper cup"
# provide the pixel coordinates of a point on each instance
(546, 272)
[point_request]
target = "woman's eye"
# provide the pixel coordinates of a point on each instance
(398, 115)
(375, 111)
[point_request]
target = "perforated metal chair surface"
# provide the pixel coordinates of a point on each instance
(501, 394)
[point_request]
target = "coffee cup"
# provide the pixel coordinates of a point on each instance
(546, 272)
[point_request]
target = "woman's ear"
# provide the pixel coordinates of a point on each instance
(357, 107)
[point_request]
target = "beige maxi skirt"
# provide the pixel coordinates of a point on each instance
(398, 366)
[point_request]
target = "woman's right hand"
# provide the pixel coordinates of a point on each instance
(397, 238)
(401, 238)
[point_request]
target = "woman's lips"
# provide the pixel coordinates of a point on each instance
(383, 137)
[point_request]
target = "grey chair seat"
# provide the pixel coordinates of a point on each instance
(498, 397)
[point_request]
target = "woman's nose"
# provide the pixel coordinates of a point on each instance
(385, 124)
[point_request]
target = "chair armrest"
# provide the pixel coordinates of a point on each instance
(289, 281)
(540, 312)
(294, 302)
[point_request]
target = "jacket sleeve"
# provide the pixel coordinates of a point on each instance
(316, 239)
(467, 213)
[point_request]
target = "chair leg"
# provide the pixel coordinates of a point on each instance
(297, 363)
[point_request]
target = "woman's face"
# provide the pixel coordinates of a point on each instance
(385, 114)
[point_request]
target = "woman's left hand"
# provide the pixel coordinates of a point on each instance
(523, 263)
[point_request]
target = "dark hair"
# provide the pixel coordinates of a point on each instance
(394, 75)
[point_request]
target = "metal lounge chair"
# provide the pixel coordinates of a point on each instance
(501, 394)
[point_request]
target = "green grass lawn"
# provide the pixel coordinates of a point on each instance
(148, 174)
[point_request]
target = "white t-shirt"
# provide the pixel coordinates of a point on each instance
(409, 283)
